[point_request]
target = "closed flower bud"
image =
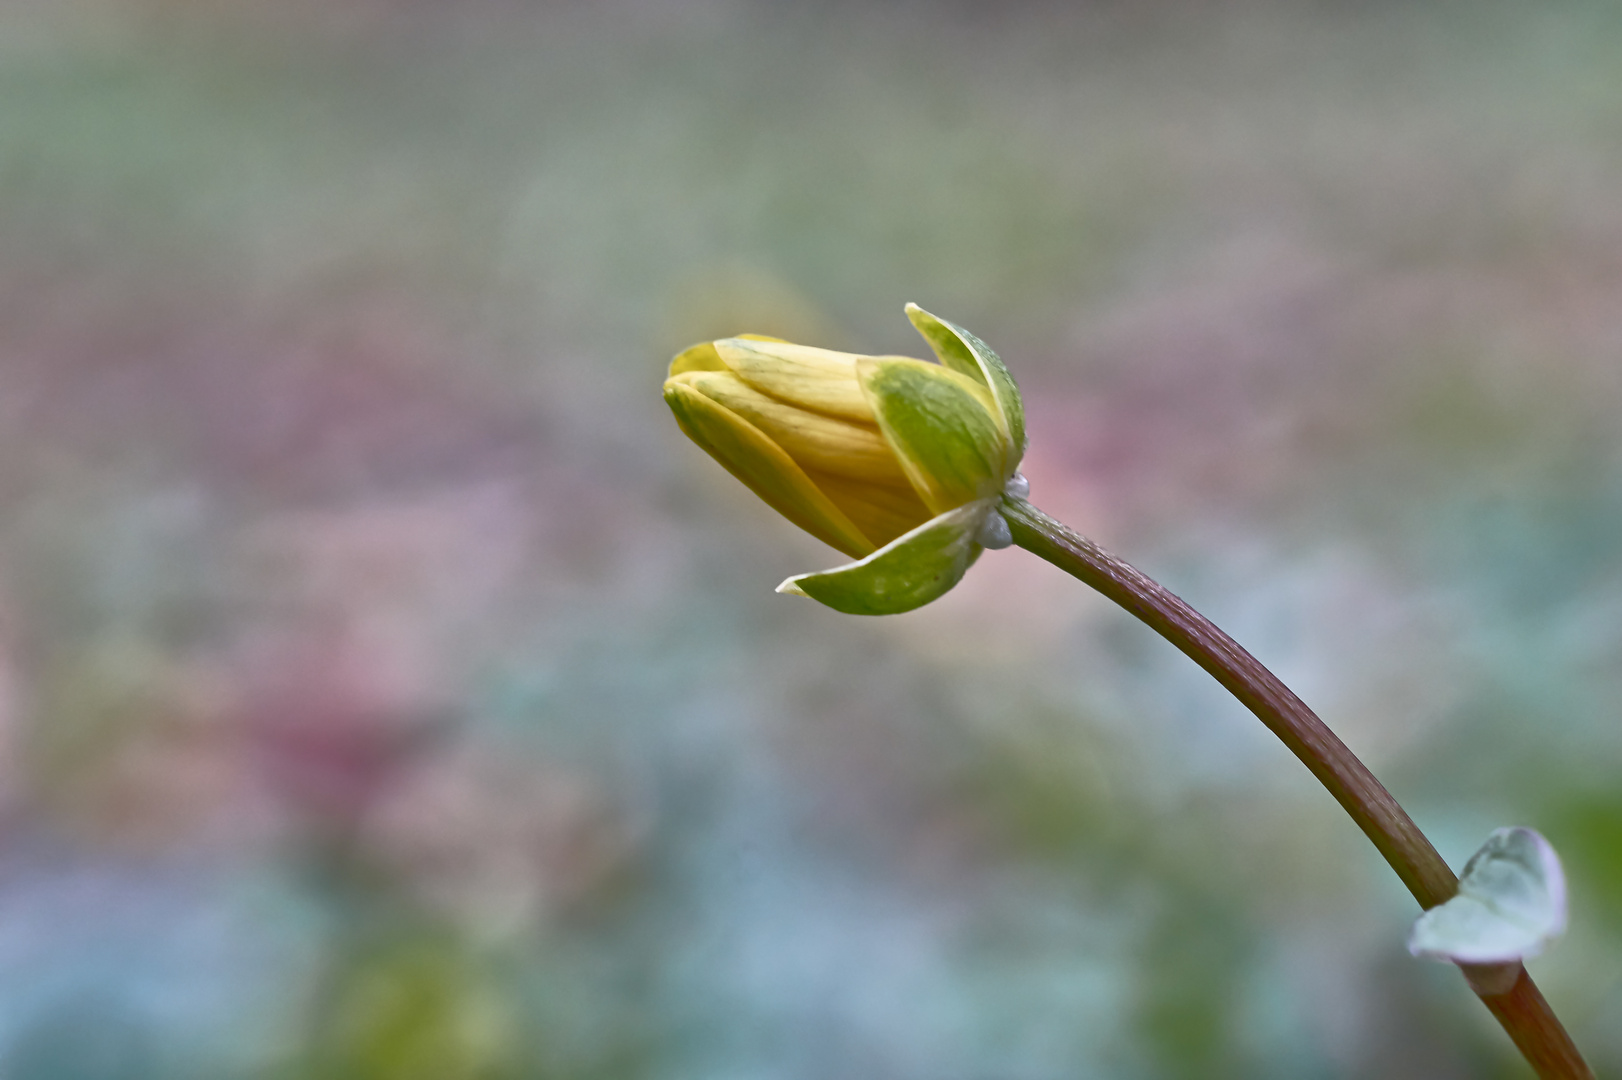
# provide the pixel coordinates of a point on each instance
(896, 462)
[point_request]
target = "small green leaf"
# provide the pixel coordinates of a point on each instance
(941, 426)
(906, 573)
(1511, 903)
(963, 352)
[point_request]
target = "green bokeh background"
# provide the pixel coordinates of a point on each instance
(387, 690)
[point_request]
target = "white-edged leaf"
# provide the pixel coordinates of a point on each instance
(1511, 903)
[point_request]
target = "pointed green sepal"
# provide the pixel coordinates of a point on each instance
(963, 352)
(904, 574)
(1511, 903)
(942, 427)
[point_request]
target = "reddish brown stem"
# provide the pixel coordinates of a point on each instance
(1536, 1031)
(1522, 1011)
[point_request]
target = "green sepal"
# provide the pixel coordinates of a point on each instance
(904, 574)
(1511, 903)
(942, 428)
(961, 351)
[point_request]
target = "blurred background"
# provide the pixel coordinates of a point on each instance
(388, 691)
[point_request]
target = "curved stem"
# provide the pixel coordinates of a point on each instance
(1522, 1011)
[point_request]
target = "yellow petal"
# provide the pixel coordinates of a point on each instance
(815, 379)
(702, 357)
(882, 513)
(747, 453)
(814, 441)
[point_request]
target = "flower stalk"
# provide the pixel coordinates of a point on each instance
(911, 468)
(1521, 1010)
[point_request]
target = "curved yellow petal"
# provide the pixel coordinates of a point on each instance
(814, 441)
(881, 512)
(747, 453)
(701, 357)
(817, 379)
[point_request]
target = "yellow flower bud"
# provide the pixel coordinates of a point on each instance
(867, 453)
